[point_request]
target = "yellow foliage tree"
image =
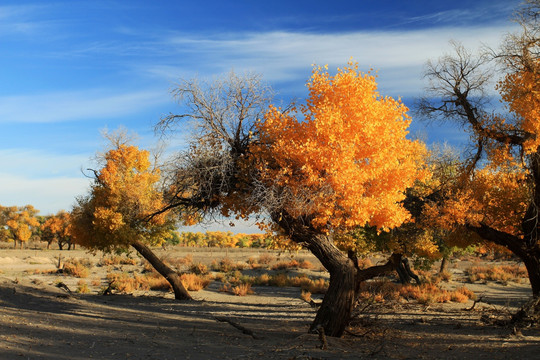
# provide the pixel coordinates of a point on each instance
(340, 161)
(499, 200)
(120, 210)
(20, 223)
(58, 227)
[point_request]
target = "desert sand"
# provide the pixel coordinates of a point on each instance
(39, 320)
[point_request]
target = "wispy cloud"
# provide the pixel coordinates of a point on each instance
(286, 56)
(47, 195)
(46, 180)
(77, 105)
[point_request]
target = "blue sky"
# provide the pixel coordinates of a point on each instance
(69, 69)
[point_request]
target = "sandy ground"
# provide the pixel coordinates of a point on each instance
(41, 321)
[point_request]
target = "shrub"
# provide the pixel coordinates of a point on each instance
(199, 269)
(266, 259)
(116, 260)
(82, 287)
(306, 296)
(502, 274)
(75, 268)
(242, 290)
(193, 282)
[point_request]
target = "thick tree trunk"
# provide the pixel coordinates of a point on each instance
(338, 303)
(336, 309)
(180, 292)
(532, 263)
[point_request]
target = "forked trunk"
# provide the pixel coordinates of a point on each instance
(180, 292)
(338, 303)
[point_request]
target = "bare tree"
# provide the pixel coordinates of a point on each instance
(457, 91)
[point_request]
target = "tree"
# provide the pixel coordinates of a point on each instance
(498, 192)
(58, 228)
(340, 161)
(116, 213)
(19, 223)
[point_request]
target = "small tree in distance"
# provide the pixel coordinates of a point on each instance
(116, 213)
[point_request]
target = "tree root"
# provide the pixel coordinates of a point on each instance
(529, 314)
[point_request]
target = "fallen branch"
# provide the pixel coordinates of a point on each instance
(243, 329)
(64, 287)
(474, 303)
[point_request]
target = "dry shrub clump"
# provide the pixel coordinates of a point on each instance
(117, 260)
(293, 264)
(501, 274)
(317, 286)
(242, 290)
(153, 281)
(199, 268)
(382, 291)
(266, 259)
(77, 268)
(226, 265)
(82, 287)
(194, 282)
(364, 263)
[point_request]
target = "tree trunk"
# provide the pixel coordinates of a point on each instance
(338, 303)
(444, 264)
(532, 263)
(180, 292)
(527, 250)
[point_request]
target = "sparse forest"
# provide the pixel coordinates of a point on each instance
(359, 223)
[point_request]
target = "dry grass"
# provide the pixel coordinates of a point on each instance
(76, 268)
(199, 268)
(292, 264)
(116, 260)
(306, 296)
(502, 274)
(364, 263)
(227, 265)
(194, 282)
(382, 291)
(242, 290)
(82, 287)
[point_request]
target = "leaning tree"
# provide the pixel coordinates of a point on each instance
(116, 214)
(497, 194)
(340, 161)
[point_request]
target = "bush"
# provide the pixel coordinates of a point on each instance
(242, 290)
(76, 268)
(194, 282)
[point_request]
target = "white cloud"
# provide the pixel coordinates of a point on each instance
(284, 56)
(48, 181)
(48, 195)
(36, 163)
(76, 105)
